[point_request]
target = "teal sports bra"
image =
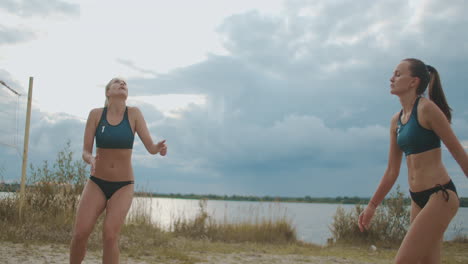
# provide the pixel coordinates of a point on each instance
(114, 137)
(412, 137)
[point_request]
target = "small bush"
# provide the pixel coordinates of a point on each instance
(388, 226)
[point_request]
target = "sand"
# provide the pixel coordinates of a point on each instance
(11, 253)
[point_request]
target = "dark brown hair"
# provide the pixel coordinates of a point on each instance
(429, 76)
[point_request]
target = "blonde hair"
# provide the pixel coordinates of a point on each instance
(106, 103)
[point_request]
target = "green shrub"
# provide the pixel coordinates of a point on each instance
(388, 226)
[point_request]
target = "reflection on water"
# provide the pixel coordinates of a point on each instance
(311, 220)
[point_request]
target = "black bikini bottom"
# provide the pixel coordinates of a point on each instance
(421, 198)
(109, 187)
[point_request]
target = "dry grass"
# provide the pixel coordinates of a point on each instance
(387, 229)
(460, 238)
(53, 192)
(52, 195)
(49, 204)
(259, 230)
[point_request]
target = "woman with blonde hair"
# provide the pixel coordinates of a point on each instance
(110, 186)
(417, 131)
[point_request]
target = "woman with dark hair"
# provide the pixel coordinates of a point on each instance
(110, 186)
(417, 131)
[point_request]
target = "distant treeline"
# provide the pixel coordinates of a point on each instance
(250, 198)
(306, 199)
(5, 187)
(9, 187)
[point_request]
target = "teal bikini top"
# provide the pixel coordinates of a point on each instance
(412, 137)
(114, 137)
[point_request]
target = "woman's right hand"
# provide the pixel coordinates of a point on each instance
(92, 162)
(365, 217)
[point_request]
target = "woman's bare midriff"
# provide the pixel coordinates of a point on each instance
(425, 170)
(114, 164)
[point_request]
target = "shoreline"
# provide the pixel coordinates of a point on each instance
(311, 200)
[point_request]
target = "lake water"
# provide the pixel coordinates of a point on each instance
(311, 220)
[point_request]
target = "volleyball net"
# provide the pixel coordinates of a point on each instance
(12, 116)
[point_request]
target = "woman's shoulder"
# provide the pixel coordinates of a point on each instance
(395, 117)
(427, 106)
(424, 101)
(134, 111)
(394, 121)
(95, 114)
(428, 113)
(96, 111)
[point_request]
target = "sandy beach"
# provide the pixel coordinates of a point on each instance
(12, 253)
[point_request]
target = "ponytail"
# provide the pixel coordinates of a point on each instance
(429, 77)
(106, 103)
(436, 93)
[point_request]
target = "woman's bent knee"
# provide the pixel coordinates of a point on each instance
(79, 235)
(110, 236)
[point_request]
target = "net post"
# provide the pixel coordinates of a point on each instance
(25, 149)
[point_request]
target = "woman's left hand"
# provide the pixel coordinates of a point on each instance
(365, 217)
(162, 147)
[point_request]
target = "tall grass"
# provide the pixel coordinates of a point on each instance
(388, 226)
(460, 236)
(50, 202)
(260, 230)
(52, 194)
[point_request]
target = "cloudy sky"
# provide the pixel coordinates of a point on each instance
(286, 98)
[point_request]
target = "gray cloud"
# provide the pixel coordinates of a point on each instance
(31, 8)
(304, 98)
(48, 132)
(48, 135)
(10, 110)
(132, 66)
(27, 8)
(12, 35)
(301, 104)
